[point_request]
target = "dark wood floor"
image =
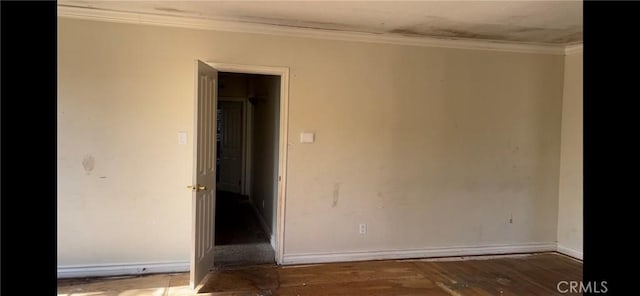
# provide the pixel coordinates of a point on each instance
(537, 274)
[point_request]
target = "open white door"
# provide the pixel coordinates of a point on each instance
(204, 175)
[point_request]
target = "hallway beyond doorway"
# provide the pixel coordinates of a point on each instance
(239, 237)
(236, 221)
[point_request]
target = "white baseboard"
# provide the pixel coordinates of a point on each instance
(290, 259)
(122, 269)
(570, 252)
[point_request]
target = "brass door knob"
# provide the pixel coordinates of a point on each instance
(197, 187)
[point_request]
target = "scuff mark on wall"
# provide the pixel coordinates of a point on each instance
(88, 162)
(336, 195)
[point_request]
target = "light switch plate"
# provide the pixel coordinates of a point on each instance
(307, 137)
(182, 138)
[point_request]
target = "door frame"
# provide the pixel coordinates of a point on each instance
(283, 72)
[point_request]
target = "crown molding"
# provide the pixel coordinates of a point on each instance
(573, 49)
(232, 26)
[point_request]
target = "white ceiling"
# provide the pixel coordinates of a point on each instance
(544, 22)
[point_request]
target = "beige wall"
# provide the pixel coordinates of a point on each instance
(570, 193)
(430, 147)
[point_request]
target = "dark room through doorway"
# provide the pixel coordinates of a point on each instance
(246, 168)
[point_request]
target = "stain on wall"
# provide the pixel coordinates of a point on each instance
(336, 195)
(442, 28)
(88, 163)
(380, 200)
(171, 10)
(306, 24)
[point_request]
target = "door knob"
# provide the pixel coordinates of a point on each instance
(197, 187)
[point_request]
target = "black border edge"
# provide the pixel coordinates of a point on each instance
(28, 156)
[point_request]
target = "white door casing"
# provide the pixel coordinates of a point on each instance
(280, 207)
(197, 269)
(204, 175)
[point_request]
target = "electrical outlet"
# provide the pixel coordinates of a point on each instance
(263, 203)
(363, 228)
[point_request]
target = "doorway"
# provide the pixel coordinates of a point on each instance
(247, 168)
(255, 116)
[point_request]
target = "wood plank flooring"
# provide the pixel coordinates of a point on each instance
(536, 274)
